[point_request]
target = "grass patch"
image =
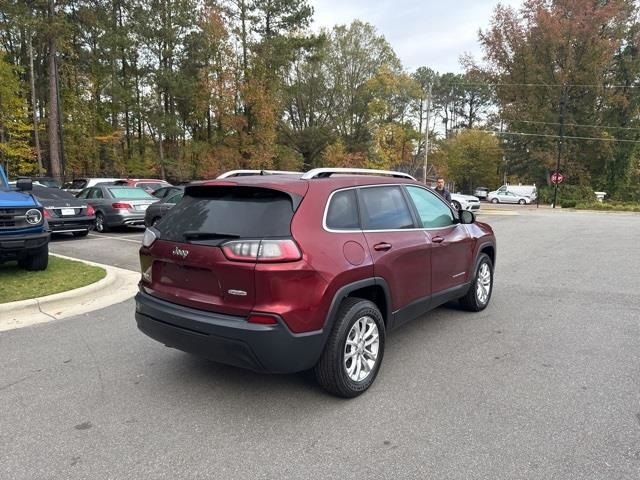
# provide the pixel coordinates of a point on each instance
(609, 206)
(61, 275)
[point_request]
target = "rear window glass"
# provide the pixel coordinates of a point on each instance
(47, 193)
(130, 192)
(343, 211)
(78, 183)
(243, 212)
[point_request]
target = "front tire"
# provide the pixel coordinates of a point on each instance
(456, 205)
(521, 202)
(479, 293)
(354, 350)
(37, 261)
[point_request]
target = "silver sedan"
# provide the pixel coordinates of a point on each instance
(117, 206)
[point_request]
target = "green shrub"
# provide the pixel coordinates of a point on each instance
(577, 193)
(565, 203)
(609, 206)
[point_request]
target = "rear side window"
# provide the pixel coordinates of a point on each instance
(384, 208)
(343, 211)
(229, 212)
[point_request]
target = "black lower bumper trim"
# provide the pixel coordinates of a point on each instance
(228, 339)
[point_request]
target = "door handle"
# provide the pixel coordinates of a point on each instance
(382, 246)
(437, 239)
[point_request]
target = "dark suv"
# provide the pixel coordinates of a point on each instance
(283, 273)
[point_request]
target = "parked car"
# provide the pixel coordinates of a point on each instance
(508, 197)
(284, 273)
(117, 206)
(529, 191)
(481, 193)
(149, 185)
(78, 184)
(64, 212)
(166, 192)
(157, 210)
(465, 202)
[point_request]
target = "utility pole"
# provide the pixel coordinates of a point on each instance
(563, 101)
(426, 136)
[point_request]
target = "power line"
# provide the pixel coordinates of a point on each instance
(575, 125)
(548, 85)
(604, 139)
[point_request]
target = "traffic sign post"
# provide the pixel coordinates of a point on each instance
(556, 178)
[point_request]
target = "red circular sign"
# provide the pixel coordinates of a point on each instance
(557, 177)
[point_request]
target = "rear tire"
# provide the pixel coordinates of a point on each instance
(495, 200)
(479, 293)
(37, 261)
(101, 226)
(521, 202)
(354, 350)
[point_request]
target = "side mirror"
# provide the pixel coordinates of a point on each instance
(466, 216)
(24, 184)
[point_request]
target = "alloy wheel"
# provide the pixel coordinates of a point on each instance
(361, 349)
(483, 283)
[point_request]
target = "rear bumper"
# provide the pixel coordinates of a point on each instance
(228, 339)
(78, 224)
(125, 218)
(18, 246)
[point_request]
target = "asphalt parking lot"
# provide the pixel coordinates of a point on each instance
(543, 384)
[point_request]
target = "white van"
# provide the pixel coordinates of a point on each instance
(525, 190)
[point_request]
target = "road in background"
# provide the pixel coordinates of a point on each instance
(543, 384)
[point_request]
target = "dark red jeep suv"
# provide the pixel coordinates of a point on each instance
(284, 273)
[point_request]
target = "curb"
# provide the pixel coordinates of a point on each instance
(117, 286)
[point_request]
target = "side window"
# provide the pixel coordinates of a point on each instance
(432, 211)
(343, 211)
(95, 193)
(175, 198)
(384, 208)
(84, 193)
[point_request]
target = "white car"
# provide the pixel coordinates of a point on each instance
(464, 202)
(508, 197)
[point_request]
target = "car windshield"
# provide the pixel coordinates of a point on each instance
(130, 192)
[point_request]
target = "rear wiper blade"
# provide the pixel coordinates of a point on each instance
(196, 235)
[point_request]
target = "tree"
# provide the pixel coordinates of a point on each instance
(15, 152)
(472, 158)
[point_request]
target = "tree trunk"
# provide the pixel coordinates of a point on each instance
(54, 134)
(36, 134)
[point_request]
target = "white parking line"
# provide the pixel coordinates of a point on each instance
(107, 237)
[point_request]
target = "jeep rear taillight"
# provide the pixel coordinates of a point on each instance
(90, 211)
(262, 251)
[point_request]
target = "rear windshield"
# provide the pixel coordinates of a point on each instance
(48, 193)
(130, 193)
(232, 212)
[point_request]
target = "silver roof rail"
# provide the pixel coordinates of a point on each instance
(240, 173)
(327, 172)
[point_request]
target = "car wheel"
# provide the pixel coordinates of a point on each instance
(155, 221)
(479, 293)
(80, 234)
(37, 261)
(521, 201)
(495, 200)
(354, 350)
(100, 224)
(456, 204)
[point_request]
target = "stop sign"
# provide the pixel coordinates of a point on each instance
(557, 177)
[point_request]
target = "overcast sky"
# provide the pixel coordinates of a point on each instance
(432, 33)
